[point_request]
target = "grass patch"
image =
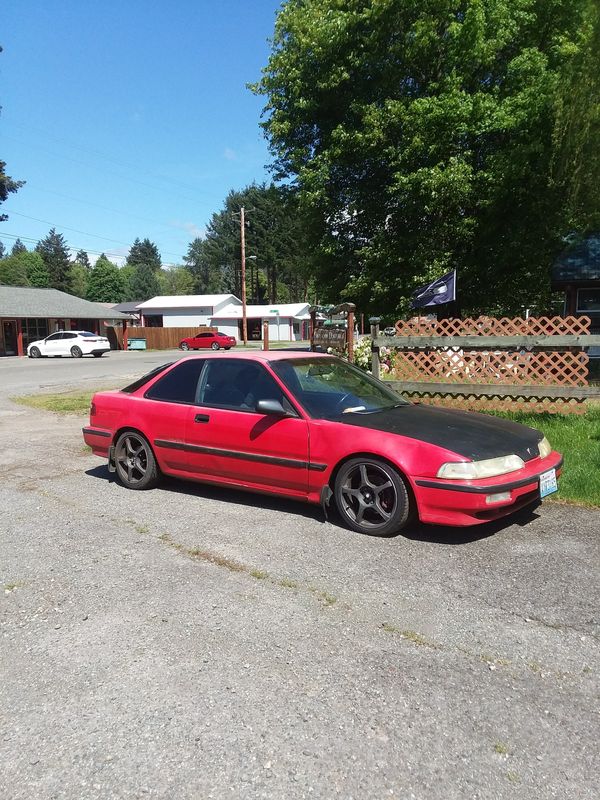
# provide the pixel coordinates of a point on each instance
(74, 402)
(12, 585)
(287, 583)
(259, 574)
(577, 437)
(501, 749)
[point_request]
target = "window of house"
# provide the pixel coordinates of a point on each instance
(34, 329)
(588, 300)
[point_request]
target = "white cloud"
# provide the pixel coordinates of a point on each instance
(189, 227)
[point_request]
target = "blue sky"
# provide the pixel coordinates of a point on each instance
(129, 119)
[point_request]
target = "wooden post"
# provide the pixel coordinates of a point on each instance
(313, 325)
(374, 321)
(125, 334)
(20, 350)
(266, 335)
(350, 335)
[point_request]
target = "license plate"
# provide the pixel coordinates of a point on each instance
(548, 484)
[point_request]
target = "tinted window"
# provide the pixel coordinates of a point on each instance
(54, 337)
(86, 333)
(179, 384)
(131, 387)
(237, 384)
(69, 336)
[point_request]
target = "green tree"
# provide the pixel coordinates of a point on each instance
(13, 271)
(105, 283)
(18, 247)
(83, 259)
(37, 274)
(176, 281)
(78, 279)
(423, 137)
(144, 283)
(55, 254)
(144, 252)
(2, 250)
(276, 247)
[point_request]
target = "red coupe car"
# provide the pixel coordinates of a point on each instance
(316, 428)
(206, 339)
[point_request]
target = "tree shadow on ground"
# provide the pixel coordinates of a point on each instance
(418, 531)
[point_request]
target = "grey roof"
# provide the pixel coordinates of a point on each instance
(128, 308)
(21, 301)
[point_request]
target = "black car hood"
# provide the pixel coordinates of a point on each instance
(472, 435)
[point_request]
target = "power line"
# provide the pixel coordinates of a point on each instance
(84, 233)
(107, 157)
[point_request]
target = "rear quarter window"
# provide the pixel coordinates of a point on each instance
(137, 384)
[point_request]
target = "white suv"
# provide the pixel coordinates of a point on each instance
(69, 343)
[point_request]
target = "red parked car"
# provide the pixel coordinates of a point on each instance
(215, 341)
(316, 428)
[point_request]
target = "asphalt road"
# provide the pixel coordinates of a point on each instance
(190, 642)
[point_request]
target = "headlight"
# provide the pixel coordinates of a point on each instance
(472, 470)
(544, 447)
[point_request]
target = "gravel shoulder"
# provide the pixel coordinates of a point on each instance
(192, 642)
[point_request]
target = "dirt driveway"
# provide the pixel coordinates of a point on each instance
(196, 643)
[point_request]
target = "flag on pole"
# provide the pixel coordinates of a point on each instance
(442, 290)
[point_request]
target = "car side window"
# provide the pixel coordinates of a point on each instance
(179, 384)
(69, 336)
(53, 337)
(238, 385)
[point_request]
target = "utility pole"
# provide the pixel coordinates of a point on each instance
(243, 240)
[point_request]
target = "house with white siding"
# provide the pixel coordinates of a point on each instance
(287, 321)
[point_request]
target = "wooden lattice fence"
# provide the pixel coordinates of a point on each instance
(486, 363)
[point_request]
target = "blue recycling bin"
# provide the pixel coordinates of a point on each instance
(136, 344)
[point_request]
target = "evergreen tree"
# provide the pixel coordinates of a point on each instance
(105, 283)
(144, 283)
(83, 259)
(55, 253)
(18, 247)
(2, 250)
(144, 252)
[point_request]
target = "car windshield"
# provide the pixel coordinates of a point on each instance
(330, 387)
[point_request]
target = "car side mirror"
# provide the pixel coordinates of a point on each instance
(272, 408)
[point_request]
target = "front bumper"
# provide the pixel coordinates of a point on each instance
(445, 502)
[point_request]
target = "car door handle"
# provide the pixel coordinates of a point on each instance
(201, 418)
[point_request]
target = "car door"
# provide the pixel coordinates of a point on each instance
(67, 340)
(227, 434)
(53, 344)
(163, 412)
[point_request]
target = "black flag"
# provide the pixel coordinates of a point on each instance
(442, 290)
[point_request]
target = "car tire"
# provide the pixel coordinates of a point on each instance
(215, 346)
(76, 351)
(35, 352)
(184, 346)
(227, 348)
(371, 497)
(135, 463)
(97, 355)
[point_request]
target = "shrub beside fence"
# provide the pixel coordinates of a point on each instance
(502, 364)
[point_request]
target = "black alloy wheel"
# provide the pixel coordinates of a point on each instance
(134, 461)
(371, 497)
(76, 351)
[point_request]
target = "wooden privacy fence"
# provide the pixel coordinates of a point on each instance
(156, 338)
(501, 364)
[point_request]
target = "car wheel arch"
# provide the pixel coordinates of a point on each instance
(366, 454)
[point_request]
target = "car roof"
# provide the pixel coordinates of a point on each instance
(263, 355)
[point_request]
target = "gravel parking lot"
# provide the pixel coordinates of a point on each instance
(190, 642)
